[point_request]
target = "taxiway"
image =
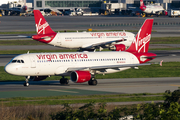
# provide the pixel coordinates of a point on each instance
(105, 86)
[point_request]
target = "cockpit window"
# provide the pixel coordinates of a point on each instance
(14, 61)
(17, 61)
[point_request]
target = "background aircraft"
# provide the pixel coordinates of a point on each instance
(152, 9)
(118, 40)
(82, 66)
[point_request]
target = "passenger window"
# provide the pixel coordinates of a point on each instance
(22, 61)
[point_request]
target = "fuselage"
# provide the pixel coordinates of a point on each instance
(41, 64)
(88, 39)
(153, 9)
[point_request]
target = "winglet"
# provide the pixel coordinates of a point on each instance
(142, 39)
(161, 62)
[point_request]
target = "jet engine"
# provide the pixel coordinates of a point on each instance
(80, 76)
(39, 78)
(118, 47)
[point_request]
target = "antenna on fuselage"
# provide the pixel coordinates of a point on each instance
(28, 52)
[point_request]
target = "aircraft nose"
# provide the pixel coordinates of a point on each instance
(9, 69)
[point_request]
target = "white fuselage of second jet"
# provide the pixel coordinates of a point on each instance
(89, 39)
(152, 9)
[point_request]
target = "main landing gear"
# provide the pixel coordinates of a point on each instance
(64, 81)
(93, 81)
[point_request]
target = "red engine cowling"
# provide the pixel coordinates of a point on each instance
(165, 13)
(119, 47)
(80, 76)
(39, 78)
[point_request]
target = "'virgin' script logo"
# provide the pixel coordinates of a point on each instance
(41, 27)
(141, 42)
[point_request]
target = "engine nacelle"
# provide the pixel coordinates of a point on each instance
(118, 47)
(165, 13)
(80, 76)
(39, 78)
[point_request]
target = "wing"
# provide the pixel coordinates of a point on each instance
(102, 44)
(106, 67)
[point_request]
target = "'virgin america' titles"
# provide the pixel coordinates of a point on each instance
(109, 34)
(62, 56)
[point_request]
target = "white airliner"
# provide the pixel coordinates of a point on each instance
(82, 66)
(118, 40)
(152, 9)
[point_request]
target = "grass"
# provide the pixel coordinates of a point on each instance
(18, 32)
(154, 40)
(34, 51)
(75, 101)
(34, 32)
(165, 40)
(20, 42)
(164, 48)
(34, 111)
(169, 69)
(72, 99)
(62, 50)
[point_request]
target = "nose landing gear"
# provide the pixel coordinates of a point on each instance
(26, 84)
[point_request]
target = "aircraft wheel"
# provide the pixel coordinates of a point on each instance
(92, 82)
(89, 82)
(64, 81)
(26, 84)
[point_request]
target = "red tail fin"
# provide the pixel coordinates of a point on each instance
(141, 42)
(141, 3)
(142, 6)
(42, 27)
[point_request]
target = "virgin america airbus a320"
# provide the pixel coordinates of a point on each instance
(117, 41)
(83, 66)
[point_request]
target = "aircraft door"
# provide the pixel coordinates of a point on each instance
(33, 62)
(59, 40)
(131, 59)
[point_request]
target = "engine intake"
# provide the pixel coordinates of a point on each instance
(80, 76)
(118, 47)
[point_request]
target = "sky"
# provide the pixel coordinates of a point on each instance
(6, 1)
